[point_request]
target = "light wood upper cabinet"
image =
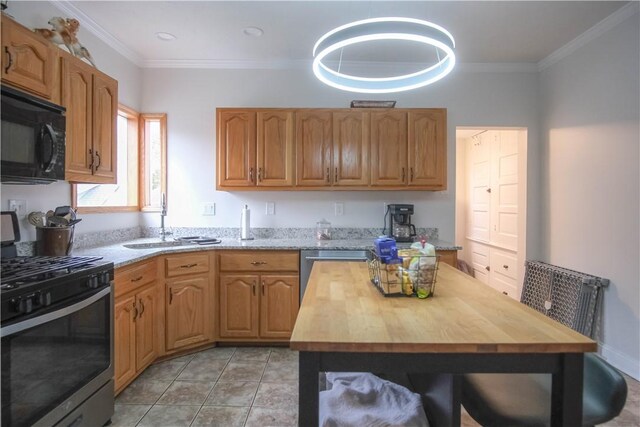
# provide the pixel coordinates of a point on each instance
(389, 148)
(313, 148)
(91, 100)
(236, 148)
(350, 148)
(28, 60)
(337, 149)
(275, 148)
(427, 152)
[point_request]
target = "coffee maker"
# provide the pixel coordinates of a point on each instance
(399, 225)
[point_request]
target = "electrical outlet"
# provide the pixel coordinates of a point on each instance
(339, 208)
(209, 209)
(18, 206)
(270, 208)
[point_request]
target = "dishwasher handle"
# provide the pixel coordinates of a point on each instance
(321, 258)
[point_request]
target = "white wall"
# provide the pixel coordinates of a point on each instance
(44, 197)
(190, 98)
(590, 110)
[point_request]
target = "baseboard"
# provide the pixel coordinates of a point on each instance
(621, 361)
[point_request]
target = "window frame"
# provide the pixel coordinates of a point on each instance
(144, 196)
(133, 131)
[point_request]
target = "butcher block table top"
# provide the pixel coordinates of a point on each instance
(343, 312)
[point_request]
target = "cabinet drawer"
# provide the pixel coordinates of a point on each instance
(260, 261)
(505, 263)
(132, 277)
(180, 265)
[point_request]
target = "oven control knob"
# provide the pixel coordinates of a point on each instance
(44, 299)
(105, 279)
(23, 305)
(92, 282)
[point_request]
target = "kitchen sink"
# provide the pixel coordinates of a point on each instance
(181, 241)
(153, 245)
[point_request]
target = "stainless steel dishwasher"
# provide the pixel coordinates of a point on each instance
(308, 257)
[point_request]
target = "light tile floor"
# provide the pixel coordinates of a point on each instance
(245, 386)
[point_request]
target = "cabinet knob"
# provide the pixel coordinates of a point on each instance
(488, 190)
(505, 293)
(505, 266)
(488, 268)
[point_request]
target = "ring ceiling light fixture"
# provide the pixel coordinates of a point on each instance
(384, 29)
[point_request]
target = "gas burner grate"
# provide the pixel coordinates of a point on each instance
(27, 269)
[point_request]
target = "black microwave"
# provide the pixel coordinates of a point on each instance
(33, 139)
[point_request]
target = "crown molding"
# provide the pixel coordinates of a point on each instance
(94, 28)
(592, 33)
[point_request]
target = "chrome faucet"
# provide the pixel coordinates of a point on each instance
(163, 213)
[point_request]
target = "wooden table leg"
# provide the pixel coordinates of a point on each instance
(566, 391)
(308, 389)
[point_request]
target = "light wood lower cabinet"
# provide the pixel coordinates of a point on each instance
(260, 304)
(187, 312)
(448, 257)
(138, 320)
(189, 293)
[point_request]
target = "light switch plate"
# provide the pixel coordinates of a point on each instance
(18, 206)
(209, 209)
(339, 208)
(270, 208)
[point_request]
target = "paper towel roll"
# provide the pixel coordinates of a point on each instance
(245, 223)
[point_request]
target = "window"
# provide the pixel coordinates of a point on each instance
(154, 155)
(141, 172)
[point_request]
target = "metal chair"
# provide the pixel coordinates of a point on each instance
(574, 299)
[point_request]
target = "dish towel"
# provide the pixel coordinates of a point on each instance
(358, 399)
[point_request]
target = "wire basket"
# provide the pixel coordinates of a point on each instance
(414, 276)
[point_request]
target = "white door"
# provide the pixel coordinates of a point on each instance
(504, 190)
(479, 181)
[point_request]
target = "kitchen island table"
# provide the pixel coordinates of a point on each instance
(346, 324)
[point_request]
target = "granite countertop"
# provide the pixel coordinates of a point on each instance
(122, 256)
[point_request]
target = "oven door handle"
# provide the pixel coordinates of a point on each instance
(39, 320)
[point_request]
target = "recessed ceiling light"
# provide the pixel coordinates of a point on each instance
(165, 37)
(253, 31)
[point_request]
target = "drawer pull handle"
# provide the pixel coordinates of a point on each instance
(403, 175)
(188, 265)
(137, 279)
(328, 178)
(505, 293)
(505, 266)
(411, 174)
(250, 174)
(170, 296)
(141, 306)
(135, 311)
(488, 268)
(263, 288)
(258, 262)
(10, 57)
(254, 288)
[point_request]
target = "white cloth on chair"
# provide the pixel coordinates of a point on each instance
(357, 399)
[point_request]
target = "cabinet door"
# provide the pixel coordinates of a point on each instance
(389, 148)
(187, 315)
(236, 148)
(313, 148)
(238, 306)
(279, 301)
(427, 154)
(28, 60)
(275, 148)
(350, 148)
(146, 324)
(77, 98)
(105, 115)
(124, 341)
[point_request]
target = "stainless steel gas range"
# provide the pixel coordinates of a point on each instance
(57, 341)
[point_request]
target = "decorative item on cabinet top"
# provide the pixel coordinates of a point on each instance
(64, 31)
(299, 149)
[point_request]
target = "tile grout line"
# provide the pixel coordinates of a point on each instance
(258, 388)
(214, 386)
